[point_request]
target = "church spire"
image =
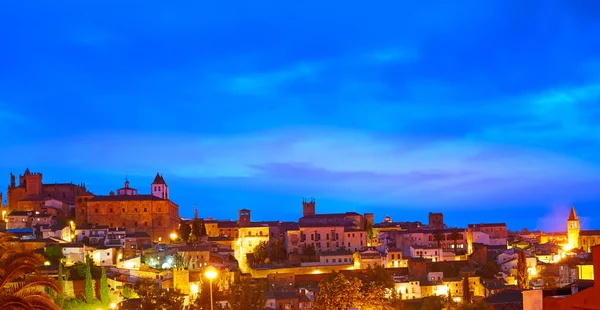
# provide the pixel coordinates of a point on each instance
(195, 211)
(572, 215)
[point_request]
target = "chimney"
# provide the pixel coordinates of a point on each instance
(532, 299)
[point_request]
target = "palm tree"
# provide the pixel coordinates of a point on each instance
(21, 285)
(455, 236)
(438, 236)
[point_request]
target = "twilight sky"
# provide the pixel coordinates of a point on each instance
(485, 110)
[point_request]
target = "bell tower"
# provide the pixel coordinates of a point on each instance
(573, 229)
(159, 187)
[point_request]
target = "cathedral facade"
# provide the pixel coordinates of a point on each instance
(152, 213)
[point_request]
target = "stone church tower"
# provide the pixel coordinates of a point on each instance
(573, 229)
(159, 187)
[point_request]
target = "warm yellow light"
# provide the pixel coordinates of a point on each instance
(173, 236)
(316, 271)
(113, 306)
(532, 271)
(194, 288)
(46, 263)
(442, 290)
(210, 272)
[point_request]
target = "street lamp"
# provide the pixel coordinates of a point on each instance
(173, 237)
(211, 274)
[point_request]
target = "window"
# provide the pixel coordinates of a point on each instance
(327, 260)
(96, 210)
(123, 210)
(111, 210)
(145, 209)
(145, 223)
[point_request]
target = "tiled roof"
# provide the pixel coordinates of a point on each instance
(125, 198)
(506, 296)
(487, 225)
(589, 233)
(335, 253)
(19, 213)
(138, 234)
(159, 179)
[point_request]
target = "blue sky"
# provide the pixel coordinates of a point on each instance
(484, 110)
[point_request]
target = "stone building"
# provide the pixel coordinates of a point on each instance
(152, 213)
(31, 193)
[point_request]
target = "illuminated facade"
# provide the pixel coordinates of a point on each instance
(574, 237)
(153, 213)
(573, 229)
(31, 193)
(494, 234)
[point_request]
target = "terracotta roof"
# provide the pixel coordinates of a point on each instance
(125, 198)
(589, 233)
(158, 179)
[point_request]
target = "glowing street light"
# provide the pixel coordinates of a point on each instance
(173, 236)
(113, 306)
(210, 273)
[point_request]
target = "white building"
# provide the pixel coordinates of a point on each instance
(104, 257)
(94, 234)
(326, 238)
(73, 253)
(433, 253)
(407, 289)
(330, 258)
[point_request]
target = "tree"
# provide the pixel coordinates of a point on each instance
(184, 231)
(438, 236)
(225, 280)
(338, 293)
(104, 287)
(480, 305)
(277, 251)
(260, 252)
(432, 303)
(179, 261)
(370, 232)
(198, 230)
(89, 293)
(522, 274)
(489, 270)
(54, 254)
(466, 290)
(246, 296)
(380, 277)
(309, 250)
(17, 290)
(549, 281)
(455, 236)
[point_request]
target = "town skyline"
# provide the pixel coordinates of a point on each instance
(255, 106)
(551, 222)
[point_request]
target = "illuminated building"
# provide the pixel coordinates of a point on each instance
(31, 194)
(152, 213)
(574, 237)
(573, 229)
